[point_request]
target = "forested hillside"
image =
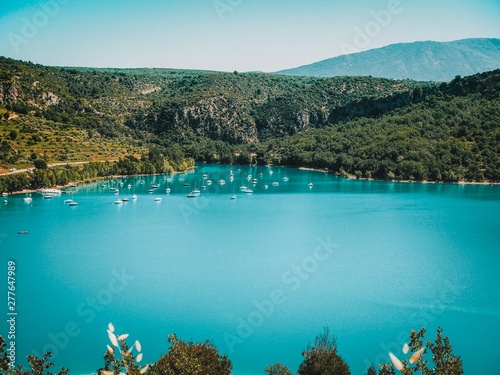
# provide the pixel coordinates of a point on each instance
(361, 126)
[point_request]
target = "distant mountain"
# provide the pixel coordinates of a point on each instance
(422, 61)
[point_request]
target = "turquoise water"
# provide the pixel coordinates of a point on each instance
(260, 275)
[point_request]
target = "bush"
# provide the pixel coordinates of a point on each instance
(322, 358)
(188, 358)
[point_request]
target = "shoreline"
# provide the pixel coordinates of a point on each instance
(321, 170)
(352, 177)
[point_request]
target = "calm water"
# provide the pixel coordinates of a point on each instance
(260, 275)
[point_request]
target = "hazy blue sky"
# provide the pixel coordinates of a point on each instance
(244, 35)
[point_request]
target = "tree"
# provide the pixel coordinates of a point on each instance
(371, 370)
(277, 369)
(188, 358)
(40, 164)
(386, 369)
(322, 358)
(13, 135)
(38, 366)
(445, 363)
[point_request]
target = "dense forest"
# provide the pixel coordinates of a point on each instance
(354, 126)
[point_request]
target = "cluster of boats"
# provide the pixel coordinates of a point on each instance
(247, 188)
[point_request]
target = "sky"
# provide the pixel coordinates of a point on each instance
(228, 35)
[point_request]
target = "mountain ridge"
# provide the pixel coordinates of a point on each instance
(421, 61)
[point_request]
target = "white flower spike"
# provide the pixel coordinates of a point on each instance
(111, 351)
(122, 337)
(406, 348)
(414, 358)
(144, 369)
(396, 362)
(111, 327)
(106, 372)
(139, 357)
(138, 345)
(112, 338)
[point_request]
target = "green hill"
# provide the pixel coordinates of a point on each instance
(422, 61)
(346, 124)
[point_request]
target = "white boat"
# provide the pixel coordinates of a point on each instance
(249, 177)
(129, 186)
(231, 178)
(168, 190)
(310, 184)
(222, 182)
(28, 200)
(196, 191)
(266, 186)
(275, 183)
(118, 201)
(103, 185)
(48, 196)
(5, 201)
(191, 195)
(209, 182)
(68, 201)
(5, 194)
(285, 179)
(150, 191)
(243, 188)
(248, 191)
(155, 186)
(73, 204)
(125, 199)
(233, 197)
(271, 172)
(157, 199)
(254, 181)
(52, 192)
(134, 197)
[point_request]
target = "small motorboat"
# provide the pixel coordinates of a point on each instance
(73, 204)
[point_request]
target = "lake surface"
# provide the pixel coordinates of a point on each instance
(260, 275)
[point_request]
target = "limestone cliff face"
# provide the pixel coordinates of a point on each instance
(8, 93)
